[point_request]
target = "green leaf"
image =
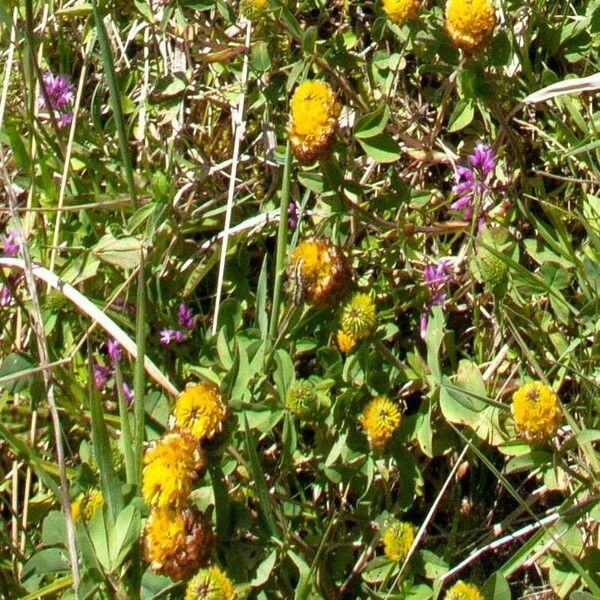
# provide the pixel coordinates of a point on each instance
(54, 529)
(259, 480)
(102, 451)
(123, 252)
(100, 538)
(372, 124)
(48, 560)
(83, 9)
(259, 57)
(462, 115)
(309, 40)
(123, 535)
(496, 588)
(262, 318)
(381, 148)
(264, 570)
(12, 365)
(434, 337)
(284, 372)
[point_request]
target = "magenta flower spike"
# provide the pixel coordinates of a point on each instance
(114, 350)
(10, 244)
(185, 317)
(473, 179)
(60, 96)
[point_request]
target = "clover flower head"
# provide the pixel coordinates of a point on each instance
(101, 375)
(463, 591)
(321, 270)
(401, 11)
(170, 467)
(359, 316)
(536, 411)
(380, 418)
(397, 538)
(345, 341)
(200, 410)
(10, 244)
(210, 583)
(185, 317)
(60, 95)
(86, 504)
(177, 542)
(171, 335)
(314, 113)
(470, 23)
(301, 399)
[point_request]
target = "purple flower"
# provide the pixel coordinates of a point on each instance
(122, 303)
(101, 375)
(171, 335)
(435, 278)
(185, 317)
(11, 247)
(292, 210)
(6, 291)
(127, 393)
(114, 350)
(483, 158)
(60, 96)
(470, 180)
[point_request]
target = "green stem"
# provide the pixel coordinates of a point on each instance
(130, 468)
(139, 408)
(282, 235)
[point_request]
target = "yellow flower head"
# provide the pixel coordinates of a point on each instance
(302, 400)
(345, 341)
(359, 316)
(210, 584)
(85, 505)
(313, 120)
(252, 9)
(536, 411)
(463, 591)
(401, 11)
(380, 418)
(470, 23)
(200, 410)
(398, 537)
(321, 269)
(170, 467)
(177, 543)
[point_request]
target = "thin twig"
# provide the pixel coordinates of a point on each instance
(42, 344)
(428, 519)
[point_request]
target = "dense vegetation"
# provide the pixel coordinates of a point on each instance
(299, 299)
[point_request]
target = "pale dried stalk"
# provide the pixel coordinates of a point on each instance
(239, 130)
(96, 315)
(520, 533)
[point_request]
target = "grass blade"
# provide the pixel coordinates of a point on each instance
(115, 99)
